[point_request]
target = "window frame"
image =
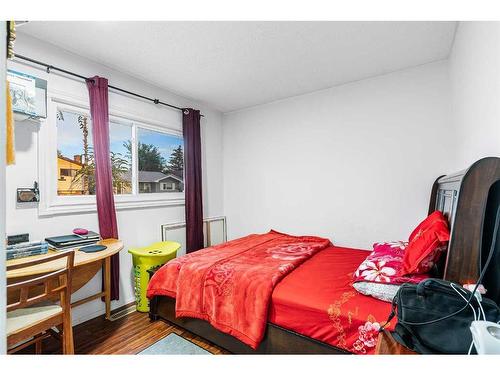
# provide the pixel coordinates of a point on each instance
(53, 204)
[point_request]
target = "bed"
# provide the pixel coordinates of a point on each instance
(315, 310)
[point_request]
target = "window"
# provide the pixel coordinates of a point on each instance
(75, 154)
(159, 155)
(147, 161)
(68, 172)
(120, 148)
(168, 186)
(74, 150)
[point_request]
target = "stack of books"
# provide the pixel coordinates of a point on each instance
(72, 241)
(26, 249)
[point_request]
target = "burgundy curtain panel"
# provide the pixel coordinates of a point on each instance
(192, 179)
(98, 95)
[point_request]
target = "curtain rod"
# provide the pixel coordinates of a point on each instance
(52, 67)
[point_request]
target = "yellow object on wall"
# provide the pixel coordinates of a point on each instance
(11, 153)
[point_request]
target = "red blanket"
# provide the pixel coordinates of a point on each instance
(230, 285)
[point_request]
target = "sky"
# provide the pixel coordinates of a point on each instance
(70, 137)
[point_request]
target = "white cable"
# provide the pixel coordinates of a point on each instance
(459, 292)
(470, 347)
(465, 299)
(481, 307)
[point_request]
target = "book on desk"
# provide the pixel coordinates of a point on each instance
(26, 249)
(72, 241)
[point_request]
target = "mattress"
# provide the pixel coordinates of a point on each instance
(317, 300)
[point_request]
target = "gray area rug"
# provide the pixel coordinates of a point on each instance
(173, 344)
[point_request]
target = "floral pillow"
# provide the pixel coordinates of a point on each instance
(383, 292)
(384, 265)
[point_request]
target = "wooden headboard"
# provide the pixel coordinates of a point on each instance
(469, 200)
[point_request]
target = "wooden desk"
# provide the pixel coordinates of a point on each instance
(85, 268)
(387, 345)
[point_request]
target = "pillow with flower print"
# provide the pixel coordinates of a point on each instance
(383, 292)
(384, 265)
(379, 275)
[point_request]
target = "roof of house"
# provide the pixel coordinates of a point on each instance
(69, 160)
(147, 176)
(179, 174)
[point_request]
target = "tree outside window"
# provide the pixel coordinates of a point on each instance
(160, 157)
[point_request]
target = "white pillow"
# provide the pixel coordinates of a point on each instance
(383, 292)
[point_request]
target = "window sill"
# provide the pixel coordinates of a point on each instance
(121, 203)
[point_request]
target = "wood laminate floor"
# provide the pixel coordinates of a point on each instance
(127, 335)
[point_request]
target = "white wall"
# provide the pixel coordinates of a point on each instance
(475, 82)
(3, 340)
(136, 227)
(354, 163)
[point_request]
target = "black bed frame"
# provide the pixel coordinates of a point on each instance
(468, 198)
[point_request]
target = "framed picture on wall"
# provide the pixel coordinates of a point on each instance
(23, 92)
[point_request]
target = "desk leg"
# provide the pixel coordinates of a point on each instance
(107, 286)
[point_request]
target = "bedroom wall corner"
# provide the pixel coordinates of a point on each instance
(475, 90)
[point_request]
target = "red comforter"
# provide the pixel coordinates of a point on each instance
(230, 285)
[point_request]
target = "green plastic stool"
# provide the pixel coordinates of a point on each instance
(146, 258)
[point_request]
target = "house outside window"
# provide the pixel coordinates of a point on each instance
(161, 161)
(67, 170)
(158, 182)
(147, 160)
(75, 154)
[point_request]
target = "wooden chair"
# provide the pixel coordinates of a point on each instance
(35, 323)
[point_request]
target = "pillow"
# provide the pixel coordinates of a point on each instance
(383, 292)
(426, 264)
(380, 274)
(387, 292)
(425, 244)
(436, 216)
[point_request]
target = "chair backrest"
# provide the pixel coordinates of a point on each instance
(42, 287)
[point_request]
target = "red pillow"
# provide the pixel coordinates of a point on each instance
(425, 244)
(428, 221)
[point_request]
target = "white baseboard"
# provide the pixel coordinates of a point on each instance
(83, 318)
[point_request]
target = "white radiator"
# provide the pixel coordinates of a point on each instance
(214, 232)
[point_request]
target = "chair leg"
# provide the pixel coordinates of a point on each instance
(38, 347)
(67, 329)
(67, 337)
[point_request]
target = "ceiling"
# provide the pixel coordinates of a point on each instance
(234, 65)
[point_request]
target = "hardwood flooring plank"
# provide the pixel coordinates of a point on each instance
(130, 334)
